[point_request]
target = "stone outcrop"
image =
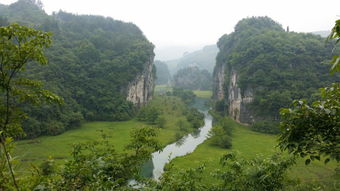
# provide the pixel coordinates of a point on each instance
(237, 100)
(140, 90)
(219, 74)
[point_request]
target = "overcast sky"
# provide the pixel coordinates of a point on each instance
(200, 22)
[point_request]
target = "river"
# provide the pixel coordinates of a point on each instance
(182, 147)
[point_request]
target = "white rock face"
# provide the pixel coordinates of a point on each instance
(237, 103)
(140, 90)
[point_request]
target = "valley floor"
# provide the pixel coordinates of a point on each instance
(246, 142)
(249, 144)
(35, 151)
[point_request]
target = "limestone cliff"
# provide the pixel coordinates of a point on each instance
(238, 103)
(226, 89)
(140, 90)
(219, 75)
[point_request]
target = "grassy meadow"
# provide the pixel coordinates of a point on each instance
(161, 89)
(246, 142)
(249, 144)
(35, 151)
(203, 93)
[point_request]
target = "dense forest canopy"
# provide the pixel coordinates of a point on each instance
(204, 59)
(92, 60)
(278, 66)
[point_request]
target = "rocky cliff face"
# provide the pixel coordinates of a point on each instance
(219, 75)
(140, 90)
(238, 109)
(230, 93)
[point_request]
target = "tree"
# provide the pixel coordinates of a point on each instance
(335, 34)
(19, 45)
(313, 130)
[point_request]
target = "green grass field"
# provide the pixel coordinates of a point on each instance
(249, 144)
(35, 151)
(161, 89)
(203, 93)
(60, 146)
(245, 141)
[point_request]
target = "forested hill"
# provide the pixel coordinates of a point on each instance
(95, 64)
(261, 68)
(163, 76)
(204, 59)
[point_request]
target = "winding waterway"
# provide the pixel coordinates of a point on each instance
(182, 147)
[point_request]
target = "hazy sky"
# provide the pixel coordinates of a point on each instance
(199, 22)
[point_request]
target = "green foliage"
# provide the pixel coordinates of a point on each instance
(269, 127)
(236, 174)
(187, 96)
(148, 114)
(91, 62)
(195, 117)
(220, 138)
(19, 45)
(193, 78)
(48, 167)
(220, 106)
(170, 113)
(161, 122)
(183, 180)
(313, 130)
(221, 132)
(162, 73)
(275, 65)
(6, 181)
(249, 144)
(96, 165)
(335, 34)
(255, 174)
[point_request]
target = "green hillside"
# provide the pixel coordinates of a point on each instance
(92, 60)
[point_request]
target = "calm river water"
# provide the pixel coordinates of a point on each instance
(182, 147)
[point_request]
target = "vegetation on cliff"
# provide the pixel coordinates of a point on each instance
(91, 62)
(275, 65)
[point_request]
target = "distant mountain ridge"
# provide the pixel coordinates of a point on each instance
(322, 33)
(204, 59)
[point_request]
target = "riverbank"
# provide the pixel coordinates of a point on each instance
(35, 151)
(249, 144)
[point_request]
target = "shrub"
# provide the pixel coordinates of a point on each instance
(220, 137)
(269, 127)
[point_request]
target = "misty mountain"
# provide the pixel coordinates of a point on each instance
(322, 33)
(162, 73)
(204, 59)
(173, 52)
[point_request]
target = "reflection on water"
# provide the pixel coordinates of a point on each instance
(180, 148)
